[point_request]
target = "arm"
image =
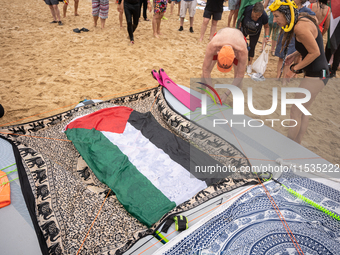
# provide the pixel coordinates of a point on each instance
(327, 22)
(265, 4)
(305, 35)
(239, 71)
(208, 64)
(266, 32)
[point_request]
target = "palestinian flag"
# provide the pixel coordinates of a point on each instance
(145, 165)
(334, 29)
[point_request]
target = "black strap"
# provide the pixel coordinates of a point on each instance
(167, 225)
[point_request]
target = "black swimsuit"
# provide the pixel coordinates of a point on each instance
(319, 67)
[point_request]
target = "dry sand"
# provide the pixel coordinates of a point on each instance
(45, 68)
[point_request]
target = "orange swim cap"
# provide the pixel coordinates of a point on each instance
(5, 191)
(225, 59)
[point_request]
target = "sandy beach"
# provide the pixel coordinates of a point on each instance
(46, 69)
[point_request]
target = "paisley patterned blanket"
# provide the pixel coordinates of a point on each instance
(64, 196)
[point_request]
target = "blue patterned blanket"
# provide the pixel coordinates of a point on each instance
(251, 226)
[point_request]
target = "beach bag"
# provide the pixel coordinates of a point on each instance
(261, 62)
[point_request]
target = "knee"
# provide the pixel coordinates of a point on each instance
(295, 113)
(214, 22)
(206, 21)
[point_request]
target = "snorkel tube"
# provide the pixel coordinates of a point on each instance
(277, 4)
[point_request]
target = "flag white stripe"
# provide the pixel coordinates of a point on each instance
(164, 173)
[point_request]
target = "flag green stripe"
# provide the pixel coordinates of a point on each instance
(112, 167)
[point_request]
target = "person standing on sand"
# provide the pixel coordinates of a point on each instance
(234, 6)
(121, 12)
(53, 4)
(159, 8)
(76, 4)
(254, 18)
(132, 15)
(322, 13)
(173, 2)
(227, 48)
(100, 9)
(146, 5)
(214, 9)
(189, 5)
(308, 44)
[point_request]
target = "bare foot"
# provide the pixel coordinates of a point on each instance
(156, 35)
(159, 33)
(76, 14)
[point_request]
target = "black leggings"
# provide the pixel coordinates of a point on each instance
(336, 58)
(252, 44)
(132, 11)
(145, 6)
(253, 39)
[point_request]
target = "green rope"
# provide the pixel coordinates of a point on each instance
(12, 171)
(312, 203)
(4, 183)
(7, 167)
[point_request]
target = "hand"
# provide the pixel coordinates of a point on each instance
(149, 7)
(266, 40)
(224, 97)
(119, 8)
(289, 59)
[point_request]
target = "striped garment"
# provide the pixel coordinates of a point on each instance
(101, 8)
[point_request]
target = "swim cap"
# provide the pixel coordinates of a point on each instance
(225, 59)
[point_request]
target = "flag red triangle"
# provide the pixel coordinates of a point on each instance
(335, 5)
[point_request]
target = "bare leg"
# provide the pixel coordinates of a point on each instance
(279, 65)
(159, 23)
(53, 13)
(64, 10)
(181, 23)
(250, 60)
(56, 11)
(235, 18)
(121, 18)
(76, 4)
(95, 19)
(191, 22)
(155, 20)
(273, 47)
(213, 29)
(172, 7)
(231, 14)
(314, 85)
(102, 22)
(204, 28)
